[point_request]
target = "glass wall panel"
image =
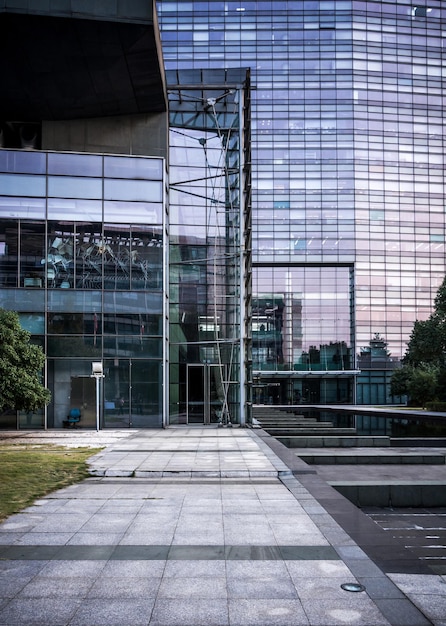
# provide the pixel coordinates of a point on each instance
(34, 323)
(147, 258)
(116, 257)
(136, 324)
(9, 253)
(75, 164)
(30, 420)
(77, 209)
(22, 184)
(132, 393)
(32, 254)
(59, 261)
(89, 256)
(25, 208)
(302, 319)
(61, 300)
(132, 190)
(71, 386)
(75, 346)
(133, 168)
(22, 161)
(140, 212)
(71, 187)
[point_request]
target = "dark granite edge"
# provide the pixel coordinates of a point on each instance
(167, 552)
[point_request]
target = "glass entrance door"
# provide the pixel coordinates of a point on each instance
(203, 402)
(83, 398)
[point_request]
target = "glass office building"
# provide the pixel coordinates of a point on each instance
(347, 176)
(120, 253)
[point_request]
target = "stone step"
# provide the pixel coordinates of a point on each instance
(271, 422)
(425, 442)
(315, 425)
(276, 413)
(328, 458)
(312, 441)
(393, 493)
(318, 432)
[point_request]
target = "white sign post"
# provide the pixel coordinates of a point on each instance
(97, 373)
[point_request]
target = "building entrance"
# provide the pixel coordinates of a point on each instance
(83, 399)
(203, 403)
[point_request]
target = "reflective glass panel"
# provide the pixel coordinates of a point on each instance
(133, 168)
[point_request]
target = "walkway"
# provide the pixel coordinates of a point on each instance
(197, 526)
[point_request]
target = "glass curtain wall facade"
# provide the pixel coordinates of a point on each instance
(209, 271)
(348, 179)
(81, 261)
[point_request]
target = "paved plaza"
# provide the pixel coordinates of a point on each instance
(197, 527)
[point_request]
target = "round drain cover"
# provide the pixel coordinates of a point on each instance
(352, 587)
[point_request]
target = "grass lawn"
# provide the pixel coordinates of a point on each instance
(31, 472)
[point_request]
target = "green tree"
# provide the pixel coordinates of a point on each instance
(423, 373)
(426, 343)
(440, 302)
(399, 383)
(21, 365)
(423, 384)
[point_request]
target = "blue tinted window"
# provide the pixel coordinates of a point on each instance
(75, 164)
(142, 190)
(22, 162)
(22, 185)
(75, 209)
(128, 167)
(68, 187)
(138, 212)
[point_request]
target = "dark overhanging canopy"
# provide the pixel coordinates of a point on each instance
(56, 67)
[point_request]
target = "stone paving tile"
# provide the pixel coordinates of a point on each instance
(318, 569)
(252, 569)
(48, 538)
(95, 538)
(355, 609)
(193, 536)
(70, 569)
(182, 569)
(196, 612)
(125, 587)
(262, 588)
(57, 587)
(428, 593)
(12, 586)
(114, 612)
(39, 611)
(271, 611)
(194, 587)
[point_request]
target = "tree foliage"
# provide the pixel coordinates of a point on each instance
(399, 383)
(21, 365)
(423, 384)
(426, 343)
(423, 373)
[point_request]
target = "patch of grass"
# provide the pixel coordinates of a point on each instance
(31, 472)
